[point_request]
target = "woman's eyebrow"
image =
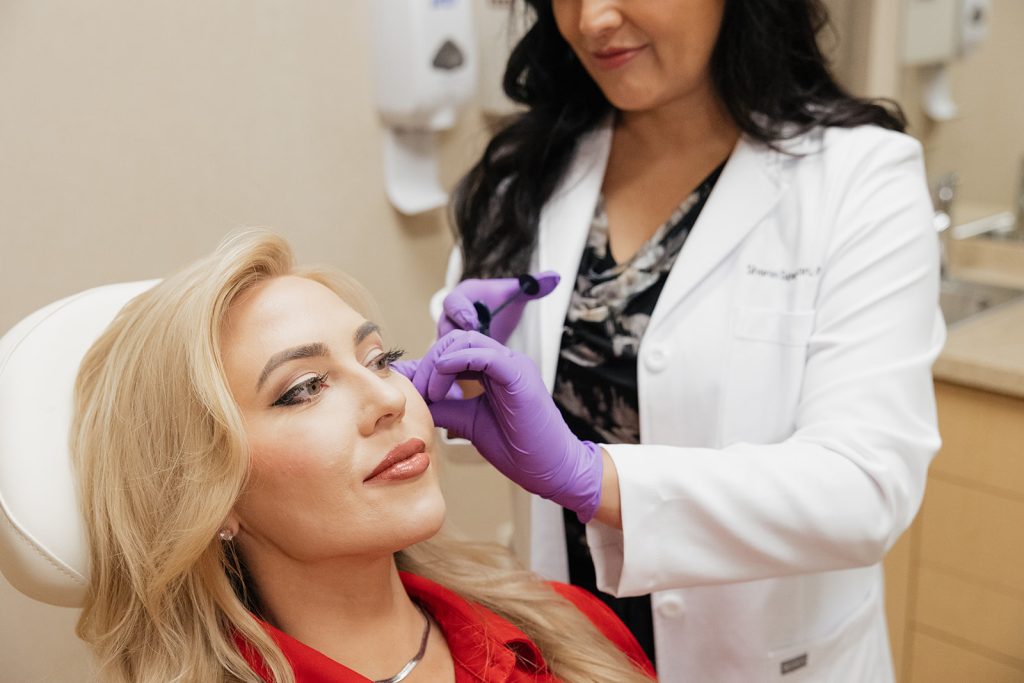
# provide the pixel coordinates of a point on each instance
(314, 350)
(364, 331)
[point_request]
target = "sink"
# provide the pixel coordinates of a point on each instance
(960, 299)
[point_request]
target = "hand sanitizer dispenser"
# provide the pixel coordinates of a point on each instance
(424, 69)
(937, 32)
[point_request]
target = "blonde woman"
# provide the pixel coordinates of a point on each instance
(261, 502)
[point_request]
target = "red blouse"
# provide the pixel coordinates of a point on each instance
(485, 647)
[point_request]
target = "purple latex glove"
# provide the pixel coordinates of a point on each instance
(514, 423)
(460, 314)
(408, 367)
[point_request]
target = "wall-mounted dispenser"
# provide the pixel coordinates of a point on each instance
(424, 71)
(936, 33)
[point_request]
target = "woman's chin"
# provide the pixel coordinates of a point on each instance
(432, 517)
(421, 521)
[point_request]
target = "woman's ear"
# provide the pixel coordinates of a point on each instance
(229, 529)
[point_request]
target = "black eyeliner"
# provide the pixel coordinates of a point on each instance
(284, 399)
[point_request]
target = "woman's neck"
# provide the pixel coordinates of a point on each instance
(355, 611)
(697, 122)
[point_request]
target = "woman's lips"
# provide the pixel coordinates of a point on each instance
(612, 58)
(405, 461)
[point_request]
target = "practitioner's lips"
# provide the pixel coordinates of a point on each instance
(613, 57)
(406, 460)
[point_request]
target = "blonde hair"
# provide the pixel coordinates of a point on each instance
(161, 454)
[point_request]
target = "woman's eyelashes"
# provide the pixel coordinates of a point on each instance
(311, 387)
(385, 359)
(303, 392)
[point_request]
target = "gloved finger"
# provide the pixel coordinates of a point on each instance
(458, 314)
(456, 416)
(546, 281)
(450, 389)
(499, 366)
(407, 367)
(421, 378)
(439, 385)
(435, 386)
(426, 364)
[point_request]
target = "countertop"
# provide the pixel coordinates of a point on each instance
(986, 352)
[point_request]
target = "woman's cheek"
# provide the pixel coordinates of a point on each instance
(291, 451)
(416, 411)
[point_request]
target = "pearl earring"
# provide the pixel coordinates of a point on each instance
(226, 535)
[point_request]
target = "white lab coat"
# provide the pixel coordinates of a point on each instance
(787, 413)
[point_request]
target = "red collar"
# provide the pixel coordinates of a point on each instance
(485, 647)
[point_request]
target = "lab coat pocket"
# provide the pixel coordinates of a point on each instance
(764, 374)
(789, 328)
(854, 651)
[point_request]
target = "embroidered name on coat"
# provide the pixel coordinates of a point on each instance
(791, 665)
(782, 274)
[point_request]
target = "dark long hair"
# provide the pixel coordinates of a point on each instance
(767, 68)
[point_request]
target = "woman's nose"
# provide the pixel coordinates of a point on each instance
(384, 404)
(598, 17)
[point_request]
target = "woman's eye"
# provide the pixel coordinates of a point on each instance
(385, 359)
(303, 392)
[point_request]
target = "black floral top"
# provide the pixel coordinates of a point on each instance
(595, 384)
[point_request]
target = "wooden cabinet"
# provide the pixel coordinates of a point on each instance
(955, 581)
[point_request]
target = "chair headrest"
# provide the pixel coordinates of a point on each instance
(43, 551)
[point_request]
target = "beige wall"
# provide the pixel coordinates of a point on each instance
(985, 144)
(133, 135)
(863, 45)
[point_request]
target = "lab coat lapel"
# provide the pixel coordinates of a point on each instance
(745, 192)
(565, 223)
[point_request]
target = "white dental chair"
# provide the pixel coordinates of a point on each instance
(43, 551)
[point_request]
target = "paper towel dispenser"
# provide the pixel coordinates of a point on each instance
(424, 72)
(937, 32)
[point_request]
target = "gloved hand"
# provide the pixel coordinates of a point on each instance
(514, 424)
(460, 314)
(408, 366)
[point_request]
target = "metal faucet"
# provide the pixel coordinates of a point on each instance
(945, 193)
(1003, 225)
